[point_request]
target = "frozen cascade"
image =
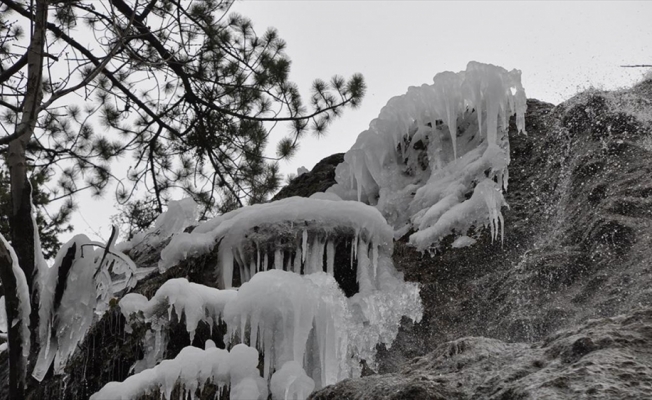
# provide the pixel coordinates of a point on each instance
(309, 333)
(430, 149)
(308, 320)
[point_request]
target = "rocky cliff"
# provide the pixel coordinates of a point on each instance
(576, 248)
(560, 309)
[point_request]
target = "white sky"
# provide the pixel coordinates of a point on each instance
(560, 47)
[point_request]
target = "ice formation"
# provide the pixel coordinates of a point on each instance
(291, 383)
(435, 147)
(308, 319)
(67, 309)
(24, 306)
(192, 369)
(293, 234)
(289, 317)
(193, 301)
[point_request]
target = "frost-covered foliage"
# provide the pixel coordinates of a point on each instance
(431, 148)
(93, 275)
(192, 369)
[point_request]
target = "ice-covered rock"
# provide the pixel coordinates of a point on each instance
(432, 148)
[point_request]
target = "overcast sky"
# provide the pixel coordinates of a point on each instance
(560, 47)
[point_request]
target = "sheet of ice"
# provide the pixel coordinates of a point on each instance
(428, 149)
(191, 369)
(24, 306)
(291, 383)
(293, 223)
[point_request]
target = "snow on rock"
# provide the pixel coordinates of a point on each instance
(308, 319)
(24, 306)
(291, 383)
(431, 148)
(193, 301)
(301, 170)
(299, 230)
(67, 309)
(192, 369)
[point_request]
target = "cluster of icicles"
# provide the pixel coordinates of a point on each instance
(289, 305)
(431, 148)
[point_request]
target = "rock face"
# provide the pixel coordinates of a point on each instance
(576, 247)
(605, 358)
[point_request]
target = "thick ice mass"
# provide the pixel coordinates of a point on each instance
(192, 369)
(433, 148)
(265, 236)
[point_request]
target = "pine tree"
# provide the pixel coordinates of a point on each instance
(184, 92)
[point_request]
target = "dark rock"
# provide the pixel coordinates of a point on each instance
(319, 179)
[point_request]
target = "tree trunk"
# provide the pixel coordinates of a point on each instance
(14, 338)
(22, 227)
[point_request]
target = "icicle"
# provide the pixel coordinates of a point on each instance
(265, 266)
(226, 263)
(297, 261)
(257, 257)
(278, 259)
(330, 258)
(362, 275)
(352, 256)
(355, 244)
(304, 245)
(374, 258)
(252, 268)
